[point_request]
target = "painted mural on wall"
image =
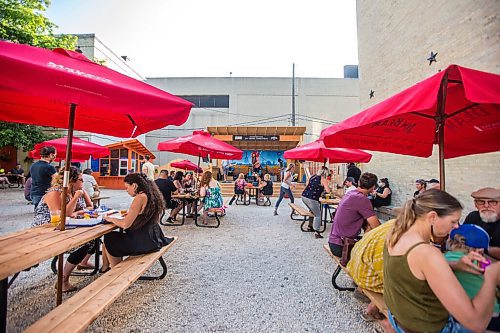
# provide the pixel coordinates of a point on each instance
(259, 158)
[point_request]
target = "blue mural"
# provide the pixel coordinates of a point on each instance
(264, 157)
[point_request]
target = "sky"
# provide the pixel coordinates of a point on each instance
(197, 38)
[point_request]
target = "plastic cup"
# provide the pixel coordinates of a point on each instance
(55, 217)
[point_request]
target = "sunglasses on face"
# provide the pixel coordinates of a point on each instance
(481, 202)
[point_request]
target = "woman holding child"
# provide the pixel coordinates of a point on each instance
(142, 234)
(420, 289)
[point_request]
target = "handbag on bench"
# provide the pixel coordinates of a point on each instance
(347, 245)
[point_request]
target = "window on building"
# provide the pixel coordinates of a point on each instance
(208, 101)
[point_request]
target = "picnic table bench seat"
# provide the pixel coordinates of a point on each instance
(376, 298)
(97, 200)
(213, 212)
(386, 213)
(305, 214)
(79, 311)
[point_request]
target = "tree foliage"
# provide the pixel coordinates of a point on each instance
(22, 136)
(23, 21)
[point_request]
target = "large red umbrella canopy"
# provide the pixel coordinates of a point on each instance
(81, 149)
(201, 144)
(38, 85)
(317, 152)
(458, 109)
(185, 164)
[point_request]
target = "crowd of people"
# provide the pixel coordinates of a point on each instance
(435, 274)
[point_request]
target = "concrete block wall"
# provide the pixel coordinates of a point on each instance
(394, 40)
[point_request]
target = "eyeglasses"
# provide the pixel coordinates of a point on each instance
(481, 202)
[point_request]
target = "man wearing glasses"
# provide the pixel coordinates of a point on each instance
(487, 216)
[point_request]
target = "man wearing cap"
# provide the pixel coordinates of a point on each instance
(487, 216)
(349, 184)
(420, 185)
(433, 183)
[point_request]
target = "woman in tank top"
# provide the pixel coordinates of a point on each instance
(420, 289)
(286, 187)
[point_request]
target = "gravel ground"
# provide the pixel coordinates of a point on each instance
(256, 273)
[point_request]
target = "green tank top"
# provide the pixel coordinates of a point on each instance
(411, 301)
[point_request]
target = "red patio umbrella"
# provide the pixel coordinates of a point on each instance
(457, 109)
(81, 150)
(201, 144)
(317, 152)
(185, 164)
(64, 89)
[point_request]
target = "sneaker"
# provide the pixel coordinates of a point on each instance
(170, 220)
(275, 212)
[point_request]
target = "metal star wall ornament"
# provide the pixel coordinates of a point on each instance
(372, 94)
(432, 58)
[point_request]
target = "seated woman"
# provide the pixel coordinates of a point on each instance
(382, 195)
(76, 201)
(210, 194)
(266, 188)
(4, 180)
(239, 187)
(142, 233)
(367, 268)
(420, 290)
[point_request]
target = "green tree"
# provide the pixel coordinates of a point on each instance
(23, 21)
(22, 136)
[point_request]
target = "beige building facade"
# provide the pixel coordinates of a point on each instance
(395, 38)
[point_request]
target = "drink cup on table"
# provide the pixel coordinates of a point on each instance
(55, 217)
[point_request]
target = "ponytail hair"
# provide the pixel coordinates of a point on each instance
(442, 203)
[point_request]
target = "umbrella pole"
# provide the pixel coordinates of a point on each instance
(440, 123)
(67, 166)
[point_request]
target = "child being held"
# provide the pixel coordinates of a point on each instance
(465, 239)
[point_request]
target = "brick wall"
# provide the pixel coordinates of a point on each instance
(394, 40)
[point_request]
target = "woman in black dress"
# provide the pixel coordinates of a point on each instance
(142, 233)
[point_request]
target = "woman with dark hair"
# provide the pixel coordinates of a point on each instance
(178, 178)
(142, 233)
(310, 197)
(382, 195)
(420, 289)
(76, 201)
(210, 192)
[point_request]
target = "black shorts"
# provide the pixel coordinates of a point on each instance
(172, 204)
(239, 191)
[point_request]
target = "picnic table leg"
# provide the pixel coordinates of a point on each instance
(334, 281)
(4, 287)
(159, 277)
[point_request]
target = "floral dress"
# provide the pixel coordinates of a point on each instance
(42, 212)
(213, 198)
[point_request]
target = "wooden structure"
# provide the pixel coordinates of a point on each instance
(265, 138)
(125, 156)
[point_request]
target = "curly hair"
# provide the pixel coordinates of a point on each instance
(155, 205)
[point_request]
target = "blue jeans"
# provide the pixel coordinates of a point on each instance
(282, 194)
(35, 199)
(452, 326)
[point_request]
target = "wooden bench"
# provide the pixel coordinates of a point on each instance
(376, 298)
(79, 311)
(305, 216)
(218, 212)
(97, 200)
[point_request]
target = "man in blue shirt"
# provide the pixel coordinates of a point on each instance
(41, 174)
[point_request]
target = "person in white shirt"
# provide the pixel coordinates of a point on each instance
(148, 168)
(349, 184)
(90, 184)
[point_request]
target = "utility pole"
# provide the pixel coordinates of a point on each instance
(293, 94)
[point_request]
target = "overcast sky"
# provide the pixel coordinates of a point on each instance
(214, 38)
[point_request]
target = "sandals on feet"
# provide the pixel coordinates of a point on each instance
(318, 235)
(369, 317)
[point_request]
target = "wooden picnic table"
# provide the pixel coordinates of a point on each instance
(24, 249)
(186, 198)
